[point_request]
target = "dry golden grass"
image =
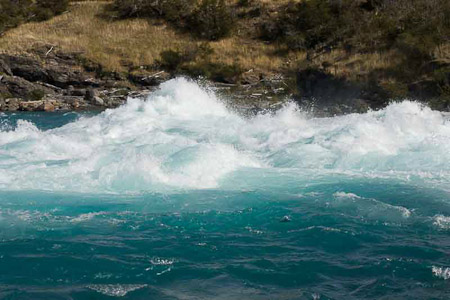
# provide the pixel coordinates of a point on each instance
(112, 44)
(119, 44)
(442, 53)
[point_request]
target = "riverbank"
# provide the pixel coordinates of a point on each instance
(85, 59)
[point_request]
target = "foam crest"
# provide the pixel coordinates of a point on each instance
(440, 272)
(184, 137)
(369, 208)
(115, 290)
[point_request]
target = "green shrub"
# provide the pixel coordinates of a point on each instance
(46, 9)
(36, 95)
(307, 24)
(244, 3)
(133, 8)
(13, 12)
(211, 20)
(171, 59)
(175, 11)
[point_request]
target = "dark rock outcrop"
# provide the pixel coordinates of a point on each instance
(25, 67)
(53, 80)
(332, 95)
(4, 68)
(17, 87)
(49, 71)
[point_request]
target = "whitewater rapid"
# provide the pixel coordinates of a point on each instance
(184, 137)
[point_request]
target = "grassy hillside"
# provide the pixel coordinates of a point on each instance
(122, 45)
(267, 38)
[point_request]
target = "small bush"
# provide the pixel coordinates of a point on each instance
(171, 60)
(132, 8)
(414, 27)
(245, 3)
(13, 12)
(46, 9)
(36, 95)
(211, 20)
(175, 11)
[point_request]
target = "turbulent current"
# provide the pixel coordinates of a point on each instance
(181, 197)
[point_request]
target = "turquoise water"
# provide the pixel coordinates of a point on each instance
(179, 197)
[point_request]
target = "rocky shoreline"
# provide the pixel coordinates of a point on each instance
(51, 80)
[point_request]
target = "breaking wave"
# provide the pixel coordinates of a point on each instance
(184, 137)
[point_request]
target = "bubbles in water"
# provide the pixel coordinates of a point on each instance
(115, 290)
(86, 217)
(441, 222)
(440, 272)
(156, 261)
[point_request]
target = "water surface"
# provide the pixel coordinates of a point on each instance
(180, 197)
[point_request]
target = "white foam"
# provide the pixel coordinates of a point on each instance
(182, 136)
(442, 222)
(346, 195)
(441, 272)
(370, 208)
(86, 217)
(115, 290)
(156, 261)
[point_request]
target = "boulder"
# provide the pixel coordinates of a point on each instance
(424, 89)
(90, 94)
(30, 105)
(47, 106)
(316, 83)
(98, 101)
(63, 76)
(25, 67)
(77, 92)
(334, 96)
(4, 68)
(12, 104)
(251, 77)
(52, 72)
(21, 88)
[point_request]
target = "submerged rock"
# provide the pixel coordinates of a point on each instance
(285, 219)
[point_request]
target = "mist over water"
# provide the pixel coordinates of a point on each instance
(181, 197)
